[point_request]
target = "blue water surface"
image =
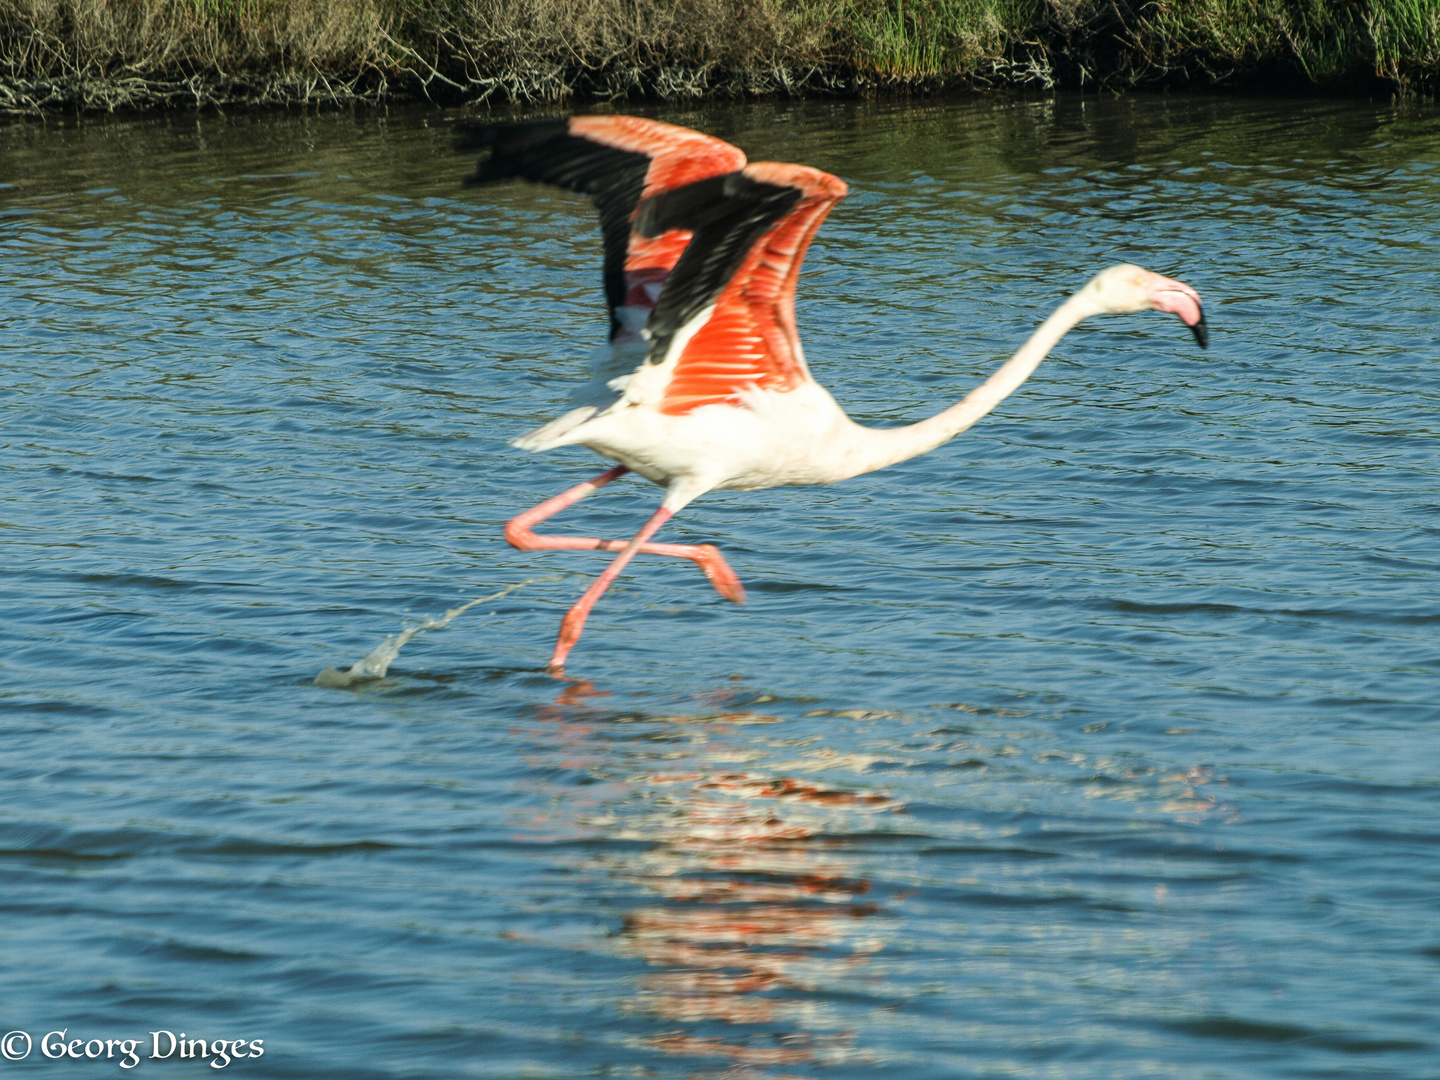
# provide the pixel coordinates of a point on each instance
(1103, 742)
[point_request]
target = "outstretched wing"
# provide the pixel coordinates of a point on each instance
(618, 161)
(726, 319)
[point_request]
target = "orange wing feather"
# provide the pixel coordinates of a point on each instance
(678, 156)
(751, 338)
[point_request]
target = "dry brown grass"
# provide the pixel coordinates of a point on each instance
(104, 53)
(91, 54)
(529, 49)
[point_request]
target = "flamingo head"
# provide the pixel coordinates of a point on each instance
(1127, 288)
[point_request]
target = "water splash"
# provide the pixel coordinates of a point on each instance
(377, 661)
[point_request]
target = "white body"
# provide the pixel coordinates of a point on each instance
(802, 436)
(769, 439)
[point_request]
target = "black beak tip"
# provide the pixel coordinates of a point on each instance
(1201, 332)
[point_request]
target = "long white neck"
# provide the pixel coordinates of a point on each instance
(876, 448)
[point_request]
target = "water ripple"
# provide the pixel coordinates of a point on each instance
(1099, 743)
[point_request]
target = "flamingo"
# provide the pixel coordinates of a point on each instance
(703, 384)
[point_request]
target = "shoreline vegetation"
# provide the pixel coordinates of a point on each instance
(102, 55)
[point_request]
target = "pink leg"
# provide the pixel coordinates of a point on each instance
(707, 556)
(574, 620)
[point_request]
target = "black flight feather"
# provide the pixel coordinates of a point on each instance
(727, 214)
(544, 151)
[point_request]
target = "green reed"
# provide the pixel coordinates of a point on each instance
(908, 40)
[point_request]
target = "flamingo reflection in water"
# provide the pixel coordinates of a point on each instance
(757, 902)
(757, 915)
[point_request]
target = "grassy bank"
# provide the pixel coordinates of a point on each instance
(99, 54)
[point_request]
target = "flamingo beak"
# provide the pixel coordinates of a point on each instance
(1201, 332)
(1167, 294)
